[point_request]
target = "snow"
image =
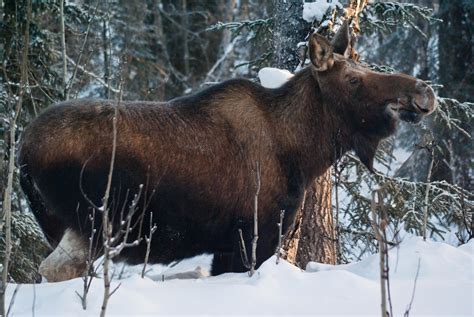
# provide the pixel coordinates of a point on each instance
(316, 10)
(444, 287)
(273, 77)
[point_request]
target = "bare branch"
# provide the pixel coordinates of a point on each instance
(81, 52)
(12, 300)
(408, 309)
(148, 243)
(106, 225)
(280, 236)
(243, 251)
(427, 192)
(378, 225)
(255, 220)
(89, 73)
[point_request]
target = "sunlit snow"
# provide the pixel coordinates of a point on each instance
(273, 77)
(444, 287)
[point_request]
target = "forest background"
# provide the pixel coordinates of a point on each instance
(160, 49)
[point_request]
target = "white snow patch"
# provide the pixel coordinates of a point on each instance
(273, 77)
(316, 10)
(444, 288)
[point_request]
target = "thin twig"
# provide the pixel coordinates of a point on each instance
(87, 279)
(255, 220)
(148, 244)
(81, 52)
(427, 192)
(12, 300)
(408, 309)
(280, 236)
(33, 305)
(243, 251)
(377, 227)
(89, 73)
(106, 225)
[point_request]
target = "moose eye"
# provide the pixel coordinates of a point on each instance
(354, 80)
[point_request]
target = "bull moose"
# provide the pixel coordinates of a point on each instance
(197, 156)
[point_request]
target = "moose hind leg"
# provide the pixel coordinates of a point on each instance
(68, 260)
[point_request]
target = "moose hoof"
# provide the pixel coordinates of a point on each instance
(67, 261)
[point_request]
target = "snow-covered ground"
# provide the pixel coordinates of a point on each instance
(444, 287)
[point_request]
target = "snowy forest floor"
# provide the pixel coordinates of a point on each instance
(444, 286)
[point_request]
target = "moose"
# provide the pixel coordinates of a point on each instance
(197, 155)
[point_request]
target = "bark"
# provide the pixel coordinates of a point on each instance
(289, 29)
(456, 74)
(63, 51)
(312, 237)
(317, 239)
(185, 39)
(106, 50)
(456, 50)
(6, 213)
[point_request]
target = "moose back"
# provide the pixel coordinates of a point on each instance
(193, 159)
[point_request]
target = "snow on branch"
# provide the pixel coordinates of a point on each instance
(384, 16)
(315, 11)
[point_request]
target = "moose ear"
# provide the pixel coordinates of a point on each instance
(342, 40)
(320, 52)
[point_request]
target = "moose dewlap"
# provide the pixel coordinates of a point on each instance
(193, 159)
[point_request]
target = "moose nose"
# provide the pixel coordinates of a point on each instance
(425, 99)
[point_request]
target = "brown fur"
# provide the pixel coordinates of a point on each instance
(198, 153)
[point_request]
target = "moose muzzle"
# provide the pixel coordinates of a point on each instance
(419, 101)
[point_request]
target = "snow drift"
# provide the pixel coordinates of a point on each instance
(444, 287)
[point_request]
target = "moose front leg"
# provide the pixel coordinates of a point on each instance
(232, 259)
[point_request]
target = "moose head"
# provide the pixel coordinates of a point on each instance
(370, 102)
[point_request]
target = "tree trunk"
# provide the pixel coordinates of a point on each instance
(456, 74)
(106, 50)
(312, 236)
(289, 29)
(317, 237)
(456, 50)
